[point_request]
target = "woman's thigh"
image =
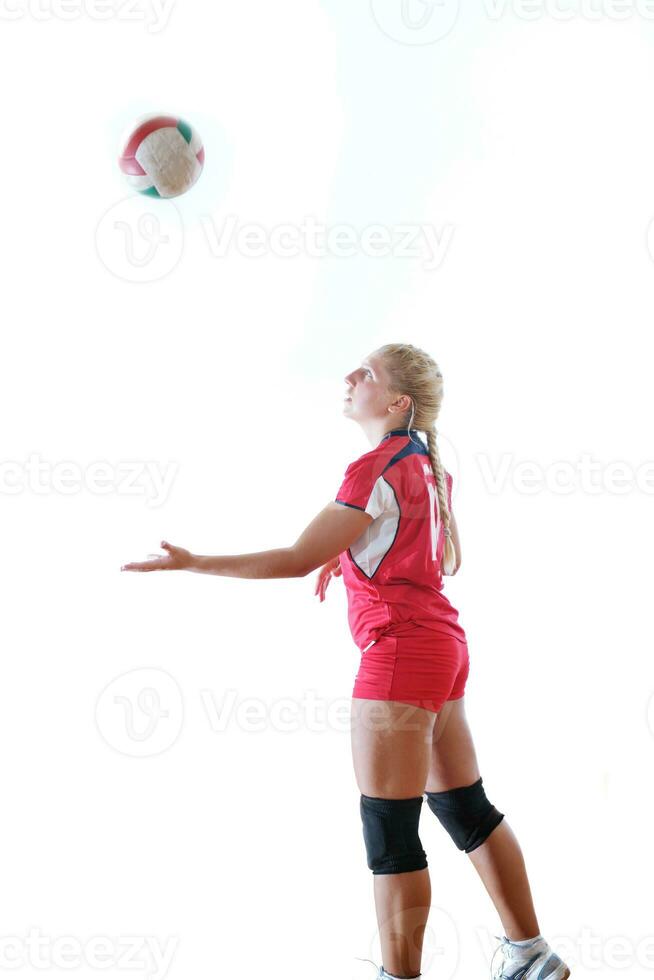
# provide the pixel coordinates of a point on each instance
(392, 745)
(453, 761)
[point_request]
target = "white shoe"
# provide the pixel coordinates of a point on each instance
(381, 974)
(537, 961)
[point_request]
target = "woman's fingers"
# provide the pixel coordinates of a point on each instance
(175, 559)
(153, 564)
(332, 567)
(323, 580)
(146, 566)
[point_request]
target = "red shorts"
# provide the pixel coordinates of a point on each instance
(420, 667)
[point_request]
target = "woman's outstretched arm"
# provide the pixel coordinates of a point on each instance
(332, 531)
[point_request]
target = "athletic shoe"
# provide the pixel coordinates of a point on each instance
(533, 961)
(381, 974)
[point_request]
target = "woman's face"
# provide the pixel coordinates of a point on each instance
(367, 395)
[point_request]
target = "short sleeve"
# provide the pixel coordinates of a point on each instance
(363, 487)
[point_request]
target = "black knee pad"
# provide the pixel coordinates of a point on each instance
(390, 830)
(466, 814)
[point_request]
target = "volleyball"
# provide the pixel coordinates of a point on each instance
(161, 156)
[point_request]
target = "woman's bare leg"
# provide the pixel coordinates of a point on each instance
(402, 902)
(391, 750)
(499, 860)
(501, 867)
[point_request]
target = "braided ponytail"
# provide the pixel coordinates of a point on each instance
(414, 373)
(449, 555)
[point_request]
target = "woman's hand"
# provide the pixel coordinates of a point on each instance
(177, 558)
(332, 567)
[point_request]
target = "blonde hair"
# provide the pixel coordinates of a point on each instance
(413, 372)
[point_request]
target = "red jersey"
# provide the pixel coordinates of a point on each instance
(392, 572)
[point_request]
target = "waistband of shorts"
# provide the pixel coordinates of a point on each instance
(421, 633)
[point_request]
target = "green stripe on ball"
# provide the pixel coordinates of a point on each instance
(185, 130)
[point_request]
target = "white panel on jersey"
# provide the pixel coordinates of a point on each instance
(379, 497)
(371, 546)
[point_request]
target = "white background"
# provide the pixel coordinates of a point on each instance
(522, 135)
